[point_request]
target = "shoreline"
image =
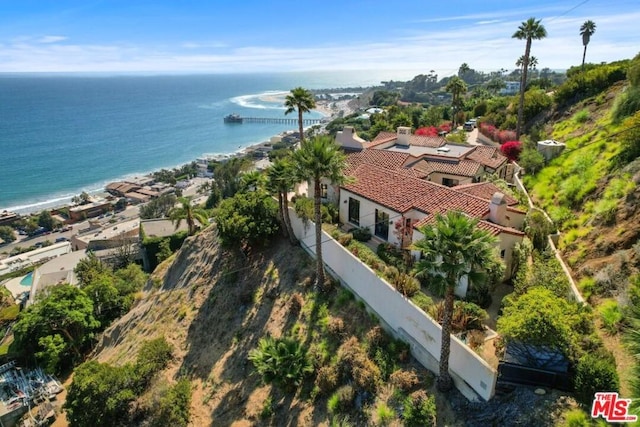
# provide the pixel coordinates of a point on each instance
(63, 199)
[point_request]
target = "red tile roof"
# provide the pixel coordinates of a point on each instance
(401, 192)
(381, 158)
(459, 168)
(485, 190)
(493, 229)
(488, 156)
(417, 140)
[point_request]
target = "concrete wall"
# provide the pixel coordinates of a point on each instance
(471, 374)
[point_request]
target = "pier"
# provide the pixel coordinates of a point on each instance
(272, 120)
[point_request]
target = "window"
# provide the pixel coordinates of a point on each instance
(354, 211)
(382, 224)
(323, 190)
(450, 182)
(502, 253)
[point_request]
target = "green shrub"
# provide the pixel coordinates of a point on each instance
(581, 116)
(611, 316)
(384, 414)
(594, 374)
(153, 356)
(423, 301)
(627, 104)
(576, 418)
(267, 409)
(391, 255)
(282, 361)
(174, 405)
(341, 400)
(361, 234)
(419, 410)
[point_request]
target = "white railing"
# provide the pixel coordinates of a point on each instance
(472, 375)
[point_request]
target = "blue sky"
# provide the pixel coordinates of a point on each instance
(282, 35)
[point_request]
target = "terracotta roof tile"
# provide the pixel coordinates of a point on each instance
(485, 190)
(492, 228)
(488, 156)
(381, 158)
(461, 168)
(401, 192)
(417, 140)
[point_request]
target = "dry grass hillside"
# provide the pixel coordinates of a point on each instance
(214, 306)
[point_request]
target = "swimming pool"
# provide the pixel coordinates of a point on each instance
(27, 280)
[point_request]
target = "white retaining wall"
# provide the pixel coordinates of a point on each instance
(405, 319)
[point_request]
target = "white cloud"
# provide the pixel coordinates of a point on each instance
(51, 39)
(483, 47)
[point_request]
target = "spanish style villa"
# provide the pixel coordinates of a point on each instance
(401, 181)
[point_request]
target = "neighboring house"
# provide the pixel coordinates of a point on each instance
(510, 88)
(108, 237)
(433, 158)
(53, 272)
(89, 210)
(36, 256)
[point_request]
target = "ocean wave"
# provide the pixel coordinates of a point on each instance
(268, 100)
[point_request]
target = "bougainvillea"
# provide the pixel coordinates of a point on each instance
(427, 131)
(496, 135)
(511, 149)
(445, 127)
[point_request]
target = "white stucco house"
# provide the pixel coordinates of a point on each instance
(397, 189)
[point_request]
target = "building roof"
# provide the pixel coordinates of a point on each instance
(461, 168)
(488, 156)
(110, 231)
(417, 140)
(161, 227)
(486, 190)
(493, 229)
(399, 191)
(382, 158)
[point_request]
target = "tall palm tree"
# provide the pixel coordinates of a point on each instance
(252, 181)
(281, 179)
(316, 159)
(300, 100)
(586, 31)
(529, 30)
(452, 248)
(457, 87)
(189, 213)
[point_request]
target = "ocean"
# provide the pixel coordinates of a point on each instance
(64, 134)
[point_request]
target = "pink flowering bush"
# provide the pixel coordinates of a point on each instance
(427, 131)
(445, 127)
(511, 150)
(495, 134)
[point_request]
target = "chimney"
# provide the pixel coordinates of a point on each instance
(498, 209)
(404, 133)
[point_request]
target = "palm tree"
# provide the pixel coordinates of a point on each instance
(252, 181)
(533, 63)
(457, 87)
(529, 30)
(586, 31)
(301, 100)
(281, 180)
(452, 248)
(316, 159)
(189, 213)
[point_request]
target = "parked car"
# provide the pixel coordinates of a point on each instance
(61, 239)
(468, 126)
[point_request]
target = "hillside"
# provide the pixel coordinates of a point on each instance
(214, 306)
(592, 197)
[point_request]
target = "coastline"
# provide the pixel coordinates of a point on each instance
(329, 109)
